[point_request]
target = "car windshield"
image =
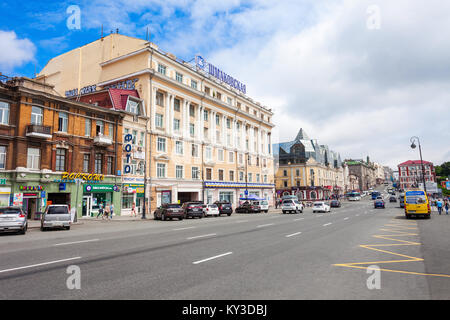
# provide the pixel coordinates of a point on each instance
(173, 206)
(9, 211)
(264, 202)
(318, 204)
(57, 210)
(212, 206)
(287, 202)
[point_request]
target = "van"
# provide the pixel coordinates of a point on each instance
(56, 216)
(263, 204)
(416, 203)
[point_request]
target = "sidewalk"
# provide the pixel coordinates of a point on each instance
(34, 224)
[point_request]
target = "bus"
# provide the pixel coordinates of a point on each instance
(416, 203)
(354, 196)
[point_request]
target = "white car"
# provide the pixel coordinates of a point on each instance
(291, 206)
(263, 204)
(321, 207)
(211, 210)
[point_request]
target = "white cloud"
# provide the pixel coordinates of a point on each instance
(15, 52)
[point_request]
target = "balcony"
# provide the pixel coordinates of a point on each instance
(102, 140)
(39, 131)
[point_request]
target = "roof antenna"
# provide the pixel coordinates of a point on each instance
(102, 33)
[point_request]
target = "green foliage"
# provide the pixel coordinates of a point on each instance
(443, 170)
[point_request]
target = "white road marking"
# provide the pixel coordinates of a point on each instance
(75, 242)
(39, 264)
(327, 224)
(183, 228)
(357, 215)
(202, 236)
(265, 225)
(291, 235)
(320, 215)
(239, 221)
(215, 257)
(346, 218)
(298, 219)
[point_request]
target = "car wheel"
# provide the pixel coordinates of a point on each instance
(67, 228)
(180, 218)
(228, 214)
(24, 230)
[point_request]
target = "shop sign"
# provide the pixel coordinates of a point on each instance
(83, 176)
(2, 181)
(101, 188)
(31, 188)
(128, 148)
(62, 186)
(18, 199)
(126, 85)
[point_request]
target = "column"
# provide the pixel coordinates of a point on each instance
(213, 127)
(167, 99)
(185, 118)
(153, 115)
(199, 127)
(224, 130)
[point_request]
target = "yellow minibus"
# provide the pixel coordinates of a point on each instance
(416, 204)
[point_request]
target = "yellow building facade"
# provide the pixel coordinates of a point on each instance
(205, 140)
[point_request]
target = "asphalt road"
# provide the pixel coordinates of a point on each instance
(244, 256)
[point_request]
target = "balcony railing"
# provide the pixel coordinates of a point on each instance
(102, 140)
(39, 131)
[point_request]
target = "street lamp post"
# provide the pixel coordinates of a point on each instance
(413, 146)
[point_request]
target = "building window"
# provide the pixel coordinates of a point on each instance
(228, 140)
(176, 125)
(179, 172)
(98, 163)
(208, 174)
(2, 157)
(218, 136)
(161, 145)
(4, 112)
(60, 159)
(220, 175)
(226, 196)
(257, 177)
(86, 162)
(132, 106)
(99, 127)
(109, 165)
(192, 129)
(179, 147)
(285, 173)
(285, 184)
(241, 176)
(250, 177)
(195, 173)
(179, 77)
(208, 91)
(161, 170)
(33, 158)
(87, 127)
(217, 120)
(228, 123)
(111, 131)
(194, 84)
(206, 133)
(191, 111)
(229, 101)
(208, 153)
(231, 157)
(241, 158)
(265, 178)
(205, 115)
(220, 154)
(159, 120)
(176, 105)
(159, 99)
(194, 151)
(231, 175)
(218, 95)
(36, 115)
(162, 69)
(63, 122)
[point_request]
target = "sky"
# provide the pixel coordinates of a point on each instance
(362, 77)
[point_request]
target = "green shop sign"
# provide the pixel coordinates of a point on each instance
(98, 188)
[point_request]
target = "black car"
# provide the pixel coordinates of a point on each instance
(335, 204)
(248, 207)
(224, 207)
(392, 199)
(193, 209)
(169, 211)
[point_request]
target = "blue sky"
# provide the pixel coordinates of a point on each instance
(359, 76)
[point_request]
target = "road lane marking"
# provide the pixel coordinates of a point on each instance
(239, 221)
(327, 224)
(202, 236)
(185, 228)
(75, 242)
(298, 219)
(39, 264)
(211, 258)
(320, 215)
(357, 215)
(265, 225)
(291, 235)
(346, 218)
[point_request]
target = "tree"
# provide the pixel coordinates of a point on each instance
(443, 170)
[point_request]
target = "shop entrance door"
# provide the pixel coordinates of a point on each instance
(87, 206)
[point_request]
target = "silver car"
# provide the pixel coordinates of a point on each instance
(56, 216)
(13, 219)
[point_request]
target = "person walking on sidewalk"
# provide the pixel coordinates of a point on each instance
(111, 208)
(100, 210)
(107, 212)
(446, 207)
(439, 206)
(133, 209)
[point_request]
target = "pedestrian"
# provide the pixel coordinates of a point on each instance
(446, 207)
(100, 210)
(106, 211)
(439, 206)
(276, 204)
(111, 208)
(133, 209)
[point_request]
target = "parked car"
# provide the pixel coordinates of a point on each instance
(211, 210)
(335, 204)
(193, 209)
(379, 203)
(291, 206)
(169, 211)
(321, 206)
(392, 199)
(248, 207)
(224, 207)
(56, 216)
(263, 204)
(13, 219)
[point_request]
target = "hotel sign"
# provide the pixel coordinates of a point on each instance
(126, 85)
(219, 74)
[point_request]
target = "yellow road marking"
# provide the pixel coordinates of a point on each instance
(397, 230)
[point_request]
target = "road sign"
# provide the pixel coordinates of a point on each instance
(246, 192)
